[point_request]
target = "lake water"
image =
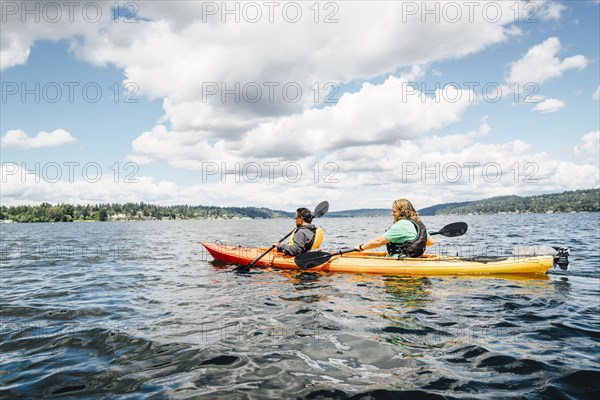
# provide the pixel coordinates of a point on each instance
(139, 309)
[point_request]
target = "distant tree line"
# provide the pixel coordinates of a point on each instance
(362, 212)
(46, 212)
(573, 201)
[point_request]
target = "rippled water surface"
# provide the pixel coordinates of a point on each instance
(139, 309)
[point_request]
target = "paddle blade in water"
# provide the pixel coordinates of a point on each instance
(312, 259)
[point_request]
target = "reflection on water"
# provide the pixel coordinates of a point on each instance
(409, 292)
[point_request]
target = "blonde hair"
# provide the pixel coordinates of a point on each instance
(405, 210)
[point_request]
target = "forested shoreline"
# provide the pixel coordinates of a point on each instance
(573, 201)
(46, 212)
(565, 202)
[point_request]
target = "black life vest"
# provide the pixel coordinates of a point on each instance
(411, 248)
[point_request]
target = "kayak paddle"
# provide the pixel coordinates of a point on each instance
(452, 230)
(320, 210)
(315, 258)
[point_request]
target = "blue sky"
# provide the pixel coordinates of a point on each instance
(177, 142)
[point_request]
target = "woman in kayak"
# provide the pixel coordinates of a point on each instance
(305, 237)
(407, 237)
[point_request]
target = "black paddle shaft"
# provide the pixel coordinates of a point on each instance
(244, 268)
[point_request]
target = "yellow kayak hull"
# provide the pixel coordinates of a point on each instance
(378, 263)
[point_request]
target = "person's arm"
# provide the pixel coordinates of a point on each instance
(373, 243)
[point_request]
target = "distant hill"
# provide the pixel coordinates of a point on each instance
(434, 209)
(573, 201)
(361, 212)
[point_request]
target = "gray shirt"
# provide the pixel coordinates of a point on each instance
(303, 240)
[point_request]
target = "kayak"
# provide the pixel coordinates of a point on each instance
(379, 263)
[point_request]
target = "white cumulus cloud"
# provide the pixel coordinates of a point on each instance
(589, 148)
(429, 170)
(541, 62)
(21, 140)
(377, 113)
(549, 106)
(208, 72)
(552, 11)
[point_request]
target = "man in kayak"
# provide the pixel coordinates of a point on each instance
(407, 237)
(305, 237)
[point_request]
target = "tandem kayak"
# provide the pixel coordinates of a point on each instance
(378, 263)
